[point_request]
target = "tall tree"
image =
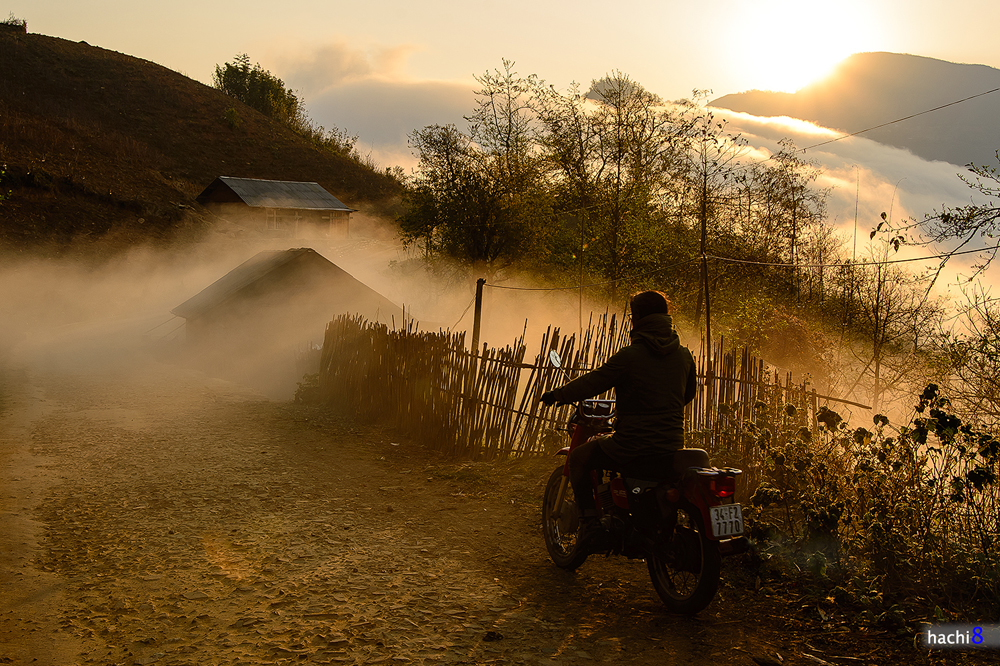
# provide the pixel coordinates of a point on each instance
(482, 197)
(795, 205)
(712, 161)
(612, 153)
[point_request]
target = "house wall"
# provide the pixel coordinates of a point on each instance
(285, 222)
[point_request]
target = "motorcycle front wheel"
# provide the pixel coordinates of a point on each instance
(561, 524)
(685, 564)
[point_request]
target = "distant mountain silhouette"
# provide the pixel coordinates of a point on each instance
(868, 89)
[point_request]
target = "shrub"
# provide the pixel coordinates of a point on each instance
(908, 511)
(307, 390)
(14, 23)
(232, 118)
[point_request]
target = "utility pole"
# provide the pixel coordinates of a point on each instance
(709, 365)
(478, 318)
(579, 221)
(704, 273)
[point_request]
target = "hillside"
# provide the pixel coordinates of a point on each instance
(103, 146)
(869, 89)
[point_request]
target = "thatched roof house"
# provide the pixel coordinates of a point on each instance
(278, 207)
(277, 283)
(251, 323)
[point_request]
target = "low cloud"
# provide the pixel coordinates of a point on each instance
(383, 113)
(865, 179)
(876, 177)
(325, 68)
(367, 93)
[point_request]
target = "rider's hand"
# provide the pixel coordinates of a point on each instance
(549, 398)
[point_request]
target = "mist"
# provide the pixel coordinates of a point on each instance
(79, 316)
(73, 312)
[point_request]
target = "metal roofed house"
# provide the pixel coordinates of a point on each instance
(251, 323)
(278, 207)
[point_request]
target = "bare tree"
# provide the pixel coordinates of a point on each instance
(976, 221)
(481, 197)
(612, 153)
(896, 321)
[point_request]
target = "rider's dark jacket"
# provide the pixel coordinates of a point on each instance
(654, 377)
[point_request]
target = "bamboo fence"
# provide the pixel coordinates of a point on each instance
(486, 405)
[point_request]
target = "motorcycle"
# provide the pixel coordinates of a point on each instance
(677, 512)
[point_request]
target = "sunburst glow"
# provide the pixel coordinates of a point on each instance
(783, 45)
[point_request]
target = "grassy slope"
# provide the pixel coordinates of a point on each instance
(100, 145)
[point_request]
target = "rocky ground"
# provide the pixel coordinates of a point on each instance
(151, 514)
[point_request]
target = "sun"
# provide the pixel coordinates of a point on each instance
(782, 45)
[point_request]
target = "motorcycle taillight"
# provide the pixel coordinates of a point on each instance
(723, 486)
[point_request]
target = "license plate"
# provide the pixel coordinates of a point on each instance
(727, 520)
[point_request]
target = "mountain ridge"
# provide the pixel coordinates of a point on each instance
(870, 89)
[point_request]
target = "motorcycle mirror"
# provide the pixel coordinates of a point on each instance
(554, 358)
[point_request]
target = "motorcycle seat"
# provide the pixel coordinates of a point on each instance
(667, 466)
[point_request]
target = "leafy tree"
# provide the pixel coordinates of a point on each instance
(259, 89)
(458, 206)
(611, 154)
(481, 197)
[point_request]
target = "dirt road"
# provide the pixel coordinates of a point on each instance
(151, 514)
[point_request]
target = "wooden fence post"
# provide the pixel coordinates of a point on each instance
(477, 321)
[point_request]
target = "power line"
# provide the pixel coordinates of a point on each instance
(745, 262)
(594, 284)
(464, 312)
(944, 255)
(899, 120)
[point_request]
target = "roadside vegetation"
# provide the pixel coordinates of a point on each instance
(897, 521)
(612, 185)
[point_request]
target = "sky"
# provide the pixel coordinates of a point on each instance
(383, 68)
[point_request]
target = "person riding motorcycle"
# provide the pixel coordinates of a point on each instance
(654, 378)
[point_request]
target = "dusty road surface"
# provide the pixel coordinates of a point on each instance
(152, 514)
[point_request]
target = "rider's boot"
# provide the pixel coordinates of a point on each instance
(592, 535)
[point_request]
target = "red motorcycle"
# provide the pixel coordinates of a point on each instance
(678, 513)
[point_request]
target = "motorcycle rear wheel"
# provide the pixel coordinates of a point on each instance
(686, 565)
(561, 532)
